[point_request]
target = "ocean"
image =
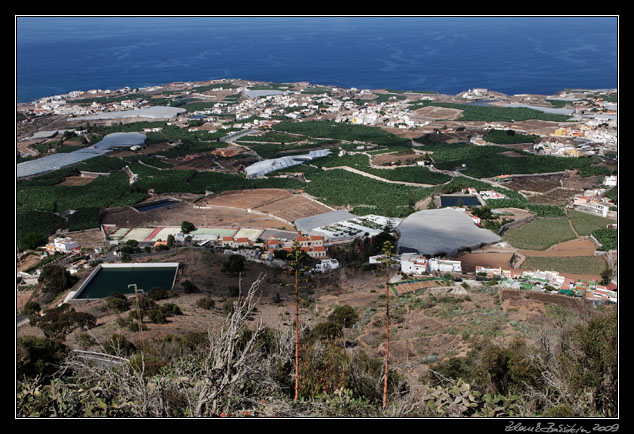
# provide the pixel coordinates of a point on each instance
(541, 55)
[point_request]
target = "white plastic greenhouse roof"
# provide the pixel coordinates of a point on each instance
(261, 168)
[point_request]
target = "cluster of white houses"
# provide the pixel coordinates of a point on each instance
(412, 263)
(594, 201)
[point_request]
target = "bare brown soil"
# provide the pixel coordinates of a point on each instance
(579, 182)
(432, 112)
(383, 159)
(540, 183)
(246, 198)
(75, 181)
(578, 247)
(489, 260)
(174, 215)
(278, 202)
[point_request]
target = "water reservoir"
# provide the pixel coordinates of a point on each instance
(109, 278)
(458, 200)
(154, 205)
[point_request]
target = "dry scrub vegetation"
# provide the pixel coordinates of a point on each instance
(455, 351)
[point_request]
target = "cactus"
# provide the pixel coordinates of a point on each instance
(456, 400)
(498, 406)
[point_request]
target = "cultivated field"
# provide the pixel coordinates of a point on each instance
(174, 215)
(567, 265)
(294, 208)
(245, 199)
(76, 181)
(539, 183)
(578, 247)
(278, 202)
(432, 112)
(393, 157)
(540, 234)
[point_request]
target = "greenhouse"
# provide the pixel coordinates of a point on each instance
(441, 231)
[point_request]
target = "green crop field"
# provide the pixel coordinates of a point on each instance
(567, 264)
(540, 234)
(366, 195)
(585, 223)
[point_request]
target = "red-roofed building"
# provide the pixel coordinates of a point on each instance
(241, 242)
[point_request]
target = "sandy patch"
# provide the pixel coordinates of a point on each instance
(578, 247)
(432, 112)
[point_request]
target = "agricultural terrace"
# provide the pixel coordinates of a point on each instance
(278, 202)
(493, 113)
(40, 198)
(586, 265)
(341, 131)
(364, 195)
(585, 223)
(490, 161)
(414, 174)
(540, 234)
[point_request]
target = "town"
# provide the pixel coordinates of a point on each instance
(482, 213)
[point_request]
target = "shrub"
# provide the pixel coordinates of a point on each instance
(345, 316)
(157, 293)
(38, 357)
(205, 303)
(118, 303)
(328, 331)
(227, 306)
(189, 287)
(591, 355)
(234, 264)
(119, 345)
(59, 321)
(56, 279)
(30, 308)
(171, 309)
(157, 316)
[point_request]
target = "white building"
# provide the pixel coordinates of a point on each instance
(414, 265)
(62, 245)
(609, 181)
(326, 265)
(444, 266)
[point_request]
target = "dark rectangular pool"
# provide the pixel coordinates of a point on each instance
(153, 205)
(457, 200)
(111, 278)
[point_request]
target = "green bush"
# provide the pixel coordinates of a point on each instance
(118, 303)
(157, 293)
(157, 316)
(59, 321)
(30, 308)
(345, 316)
(205, 303)
(189, 287)
(171, 309)
(328, 331)
(38, 357)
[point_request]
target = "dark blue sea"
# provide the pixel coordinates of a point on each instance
(542, 55)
